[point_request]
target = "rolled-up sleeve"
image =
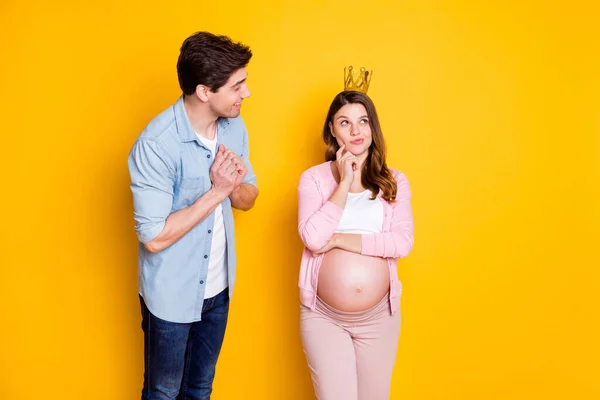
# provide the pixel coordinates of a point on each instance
(250, 176)
(152, 180)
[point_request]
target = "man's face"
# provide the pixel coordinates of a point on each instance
(227, 101)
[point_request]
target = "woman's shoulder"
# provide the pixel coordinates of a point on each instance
(398, 175)
(403, 190)
(319, 171)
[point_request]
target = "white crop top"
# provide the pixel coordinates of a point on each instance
(361, 214)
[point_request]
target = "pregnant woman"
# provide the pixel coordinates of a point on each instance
(355, 220)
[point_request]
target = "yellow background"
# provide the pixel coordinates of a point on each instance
(490, 108)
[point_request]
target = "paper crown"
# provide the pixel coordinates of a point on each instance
(360, 83)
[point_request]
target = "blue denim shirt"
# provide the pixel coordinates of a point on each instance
(169, 170)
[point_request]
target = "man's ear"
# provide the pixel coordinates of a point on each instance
(202, 92)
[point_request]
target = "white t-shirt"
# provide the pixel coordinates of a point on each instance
(361, 214)
(216, 280)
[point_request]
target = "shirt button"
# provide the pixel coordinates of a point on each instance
(202, 282)
(208, 156)
(209, 231)
(205, 256)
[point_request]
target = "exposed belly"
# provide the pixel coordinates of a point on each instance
(352, 282)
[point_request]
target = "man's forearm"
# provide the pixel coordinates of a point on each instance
(182, 221)
(244, 196)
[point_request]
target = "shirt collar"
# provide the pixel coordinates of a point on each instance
(184, 127)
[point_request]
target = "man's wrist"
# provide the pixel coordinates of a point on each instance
(218, 194)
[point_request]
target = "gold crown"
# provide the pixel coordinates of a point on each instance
(361, 83)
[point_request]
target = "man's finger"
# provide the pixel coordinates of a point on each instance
(226, 162)
(219, 158)
(230, 169)
(241, 165)
(229, 154)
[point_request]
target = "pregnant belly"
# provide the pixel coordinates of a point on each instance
(352, 282)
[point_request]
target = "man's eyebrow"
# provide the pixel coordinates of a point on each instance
(239, 82)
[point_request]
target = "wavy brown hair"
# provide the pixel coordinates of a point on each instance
(375, 174)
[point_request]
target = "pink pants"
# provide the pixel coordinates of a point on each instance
(351, 355)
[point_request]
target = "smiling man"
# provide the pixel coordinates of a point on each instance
(188, 168)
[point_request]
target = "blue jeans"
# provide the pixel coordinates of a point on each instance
(180, 359)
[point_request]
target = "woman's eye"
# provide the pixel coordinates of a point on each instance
(364, 121)
(344, 123)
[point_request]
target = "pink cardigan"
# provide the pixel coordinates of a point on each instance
(318, 218)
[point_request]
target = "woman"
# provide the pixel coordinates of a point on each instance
(355, 220)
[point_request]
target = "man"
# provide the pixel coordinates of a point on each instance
(188, 168)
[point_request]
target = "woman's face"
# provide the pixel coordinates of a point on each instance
(350, 126)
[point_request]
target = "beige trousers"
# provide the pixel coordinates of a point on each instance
(351, 355)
